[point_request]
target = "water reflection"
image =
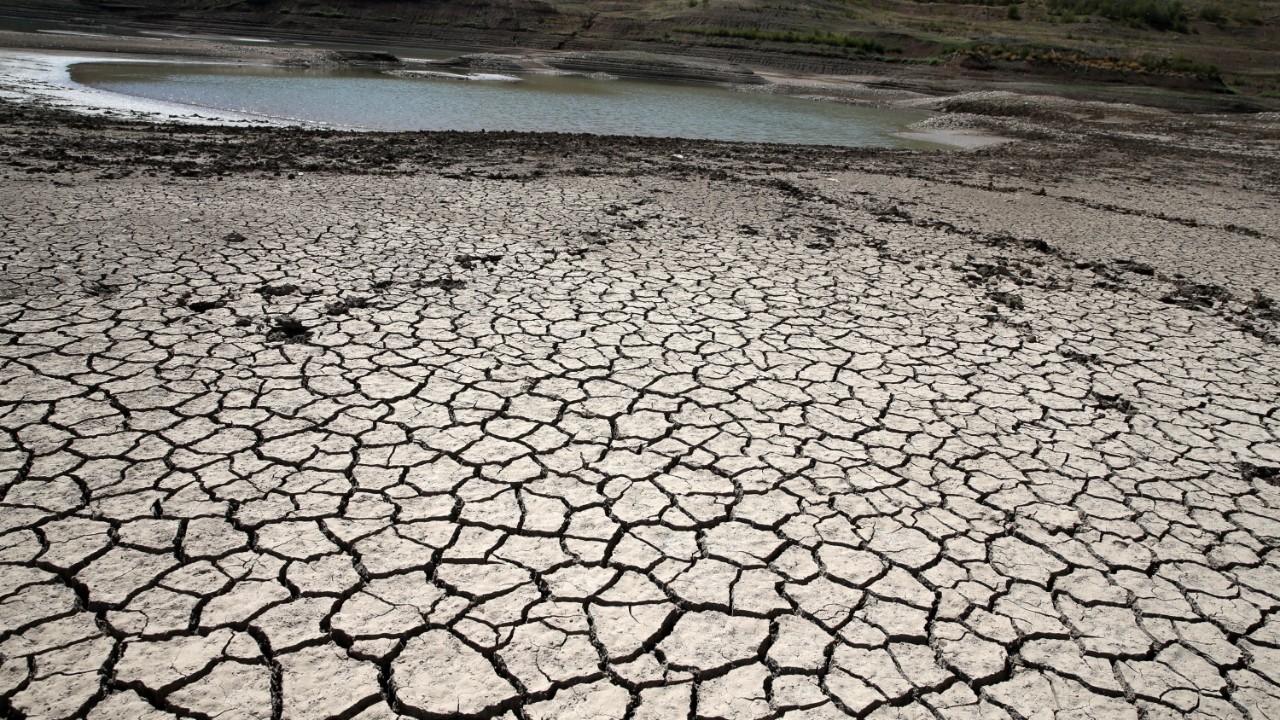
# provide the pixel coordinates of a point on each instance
(375, 100)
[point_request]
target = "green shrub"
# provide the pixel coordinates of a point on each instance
(1179, 64)
(1245, 14)
(1213, 13)
(1014, 13)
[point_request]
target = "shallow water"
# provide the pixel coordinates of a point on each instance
(372, 100)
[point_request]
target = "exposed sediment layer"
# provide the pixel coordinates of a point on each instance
(317, 425)
(646, 65)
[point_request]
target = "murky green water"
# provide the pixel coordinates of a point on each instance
(369, 99)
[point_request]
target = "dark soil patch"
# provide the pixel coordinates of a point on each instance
(206, 305)
(1008, 241)
(340, 307)
(1113, 402)
(97, 288)
(1136, 267)
(1196, 295)
(446, 283)
(277, 290)
(1079, 357)
(287, 328)
(1009, 300)
(469, 261)
(1267, 474)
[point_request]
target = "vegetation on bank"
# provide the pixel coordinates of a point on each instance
(1155, 14)
(1176, 64)
(1179, 65)
(1164, 15)
(864, 45)
(329, 12)
(1153, 63)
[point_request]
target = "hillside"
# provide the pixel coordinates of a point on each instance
(1151, 41)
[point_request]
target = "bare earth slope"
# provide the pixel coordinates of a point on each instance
(296, 425)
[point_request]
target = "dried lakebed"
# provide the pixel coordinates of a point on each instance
(507, 426)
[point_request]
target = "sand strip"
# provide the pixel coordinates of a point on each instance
(45, 79)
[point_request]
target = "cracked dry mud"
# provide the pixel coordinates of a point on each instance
(675, 445)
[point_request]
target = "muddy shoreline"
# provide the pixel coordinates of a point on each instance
(1059, 141)
(1120, 160)
(36, 67)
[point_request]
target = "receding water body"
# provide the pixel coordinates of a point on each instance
(373, 100)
